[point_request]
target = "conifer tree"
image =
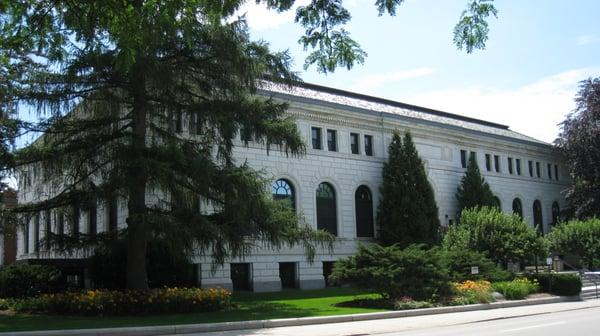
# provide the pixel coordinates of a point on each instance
(407, 212)
(473, 189)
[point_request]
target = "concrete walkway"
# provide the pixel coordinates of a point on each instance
(338, 325)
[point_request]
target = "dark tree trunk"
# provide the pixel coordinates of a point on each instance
(137, 277)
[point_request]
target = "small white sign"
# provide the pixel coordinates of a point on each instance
(549, 261)
(474, 270)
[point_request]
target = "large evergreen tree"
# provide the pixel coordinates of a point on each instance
(579, 143)
(407, 212)
(113, 82)
(473, 189)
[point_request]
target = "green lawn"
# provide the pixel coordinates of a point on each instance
(249, 306)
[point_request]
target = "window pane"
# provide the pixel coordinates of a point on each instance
(326, 208)
(518, 162)
(363, 203)
(510, 165)
(331, 140)
(497, 163)
(282, 190)
(368, 145)
(463, 158)
(354, 143)
(488, 162)
(316, 138)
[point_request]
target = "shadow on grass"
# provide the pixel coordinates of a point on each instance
(372, 303)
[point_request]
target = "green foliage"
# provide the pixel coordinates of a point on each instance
(558, 284)
(501, 237)
(103, 302)
(581, 238)
(166, 267)
(473, 191)
(394, 272)
(406, 303)
(472, 30)
(459, 262)
(517, 289)
(579, 143)
(18, 281)
(407, 212)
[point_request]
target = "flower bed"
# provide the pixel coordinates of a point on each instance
(106, 302)
(470, 292)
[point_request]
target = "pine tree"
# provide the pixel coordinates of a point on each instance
(407, 212)
(473, 189)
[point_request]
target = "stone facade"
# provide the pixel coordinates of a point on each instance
(443, 140)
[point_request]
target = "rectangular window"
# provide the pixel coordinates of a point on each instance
(368, 145)
(518, 162)
(36, 233)
(176, 121)
(75, 220)
(331, 140)
(510, 165)
(488, 162)
(556, 172)
(26, 237)
(531, 168)
(354, 143)
(92, 219)
(316, 138)
(463, 158)
(549, 166)
(538, 171)
(112, 214)
(497, 163)
(47, 229)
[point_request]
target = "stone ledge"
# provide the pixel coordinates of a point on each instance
(260, 324)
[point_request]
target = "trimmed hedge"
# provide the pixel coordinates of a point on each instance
(18, 281)
(558, 284)
(106, 302)
(517, 289)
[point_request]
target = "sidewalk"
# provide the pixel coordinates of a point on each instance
(406, 319)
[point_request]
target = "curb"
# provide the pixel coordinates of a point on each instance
(260, 324)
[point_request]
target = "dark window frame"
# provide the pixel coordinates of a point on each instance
(510, 165)
(283, 189)
(368, 144)
(332, 140)
(355, 143)
(326, 201)
(363, 209)
(488, 162)
(497, 163)
(518, 166)
(316, 138)
(463, 158)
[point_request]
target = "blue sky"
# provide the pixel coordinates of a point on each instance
(526, 78)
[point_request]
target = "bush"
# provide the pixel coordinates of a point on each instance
(165, 267)
(558, 284)
(106, 302)
(501, 237)
(408, 303)
(459, 263)
(18, 281)
(581, 238)
(517, 289)
(470, 292)
(394, 272)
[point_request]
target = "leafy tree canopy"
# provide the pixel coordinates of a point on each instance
(145, 97)
(579, 143)
(581, 238)
(407, 212)
(503, 238)
(473, 190)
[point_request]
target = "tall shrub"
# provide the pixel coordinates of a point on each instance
(407, 212)
(581, 238)
(394, 272)
(502, 237)
(19, 281)
(473, 190)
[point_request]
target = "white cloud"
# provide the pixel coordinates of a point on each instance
(374, 81)
(587, 39)
(259, 17)
(534, 109)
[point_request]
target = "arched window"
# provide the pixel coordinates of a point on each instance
(537, 216)
(517, 207)
(283, 190)
(555, 213)
(326, 209)
(363, 203)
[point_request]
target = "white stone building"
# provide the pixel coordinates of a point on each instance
(335, 185)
